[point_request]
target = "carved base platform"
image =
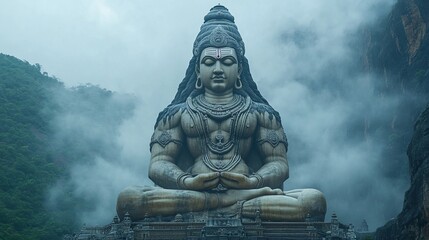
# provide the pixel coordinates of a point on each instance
(226, 228)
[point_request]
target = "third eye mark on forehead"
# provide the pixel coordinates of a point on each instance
(218, 53)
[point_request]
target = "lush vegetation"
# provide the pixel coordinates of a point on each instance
(32, 155)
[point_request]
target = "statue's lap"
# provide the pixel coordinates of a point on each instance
(294, 205)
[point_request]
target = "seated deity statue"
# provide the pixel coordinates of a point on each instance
(219, 144)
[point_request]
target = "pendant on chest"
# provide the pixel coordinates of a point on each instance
(219, 140)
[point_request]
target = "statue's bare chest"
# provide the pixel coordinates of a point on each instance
(218, 130)
(218, 123)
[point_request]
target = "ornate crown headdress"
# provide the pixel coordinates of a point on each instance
(219, 30)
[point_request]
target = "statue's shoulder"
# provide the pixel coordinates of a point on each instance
(266, 114)
(170, 117)
(261, 108)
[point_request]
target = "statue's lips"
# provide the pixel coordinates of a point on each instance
(218, 80)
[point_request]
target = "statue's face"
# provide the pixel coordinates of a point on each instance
(218, 69)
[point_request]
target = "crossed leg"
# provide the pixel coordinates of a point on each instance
(294, 205)
(273, 204)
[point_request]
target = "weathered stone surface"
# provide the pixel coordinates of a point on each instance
(413, 221)
(415, 29)
(398, 48)
(219, 142)
(398, 51)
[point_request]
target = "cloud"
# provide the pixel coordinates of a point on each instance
(103, 13)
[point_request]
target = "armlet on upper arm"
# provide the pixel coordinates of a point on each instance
(273, 137)
(163, 138)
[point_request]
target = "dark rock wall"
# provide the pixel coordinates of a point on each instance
(414, 218)
(413, 221)
(398, 50)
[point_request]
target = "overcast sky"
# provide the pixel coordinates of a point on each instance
(143, 48)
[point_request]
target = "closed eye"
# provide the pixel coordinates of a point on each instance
(208, 61)
(228, 61)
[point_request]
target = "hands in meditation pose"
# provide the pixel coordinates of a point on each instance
(219, 142)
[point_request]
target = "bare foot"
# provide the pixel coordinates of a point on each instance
(234, 195)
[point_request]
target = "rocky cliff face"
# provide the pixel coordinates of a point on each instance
(414, 218)
(413, 221)
(397, 49)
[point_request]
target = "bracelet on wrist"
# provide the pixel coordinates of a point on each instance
(259, 178)
(181, 180)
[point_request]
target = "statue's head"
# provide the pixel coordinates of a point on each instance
(219, 32)
(218, 40)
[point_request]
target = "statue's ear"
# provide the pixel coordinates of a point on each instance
(240, 69)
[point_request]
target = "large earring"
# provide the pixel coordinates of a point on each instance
(238, 84)
(198, 83)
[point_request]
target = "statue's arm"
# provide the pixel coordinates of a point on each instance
(166, 143)
(272, 145)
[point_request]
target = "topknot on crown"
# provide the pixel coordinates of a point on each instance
(219, 13)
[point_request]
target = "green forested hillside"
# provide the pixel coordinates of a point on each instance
(32, 155)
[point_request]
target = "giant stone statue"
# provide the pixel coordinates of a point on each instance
(219, 144)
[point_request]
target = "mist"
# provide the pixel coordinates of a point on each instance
(302, 55)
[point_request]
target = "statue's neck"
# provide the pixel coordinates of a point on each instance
(218, 98)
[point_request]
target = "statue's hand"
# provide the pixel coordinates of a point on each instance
(238, 181)
(203, 181)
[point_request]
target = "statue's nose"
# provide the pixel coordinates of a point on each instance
(218, 69)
